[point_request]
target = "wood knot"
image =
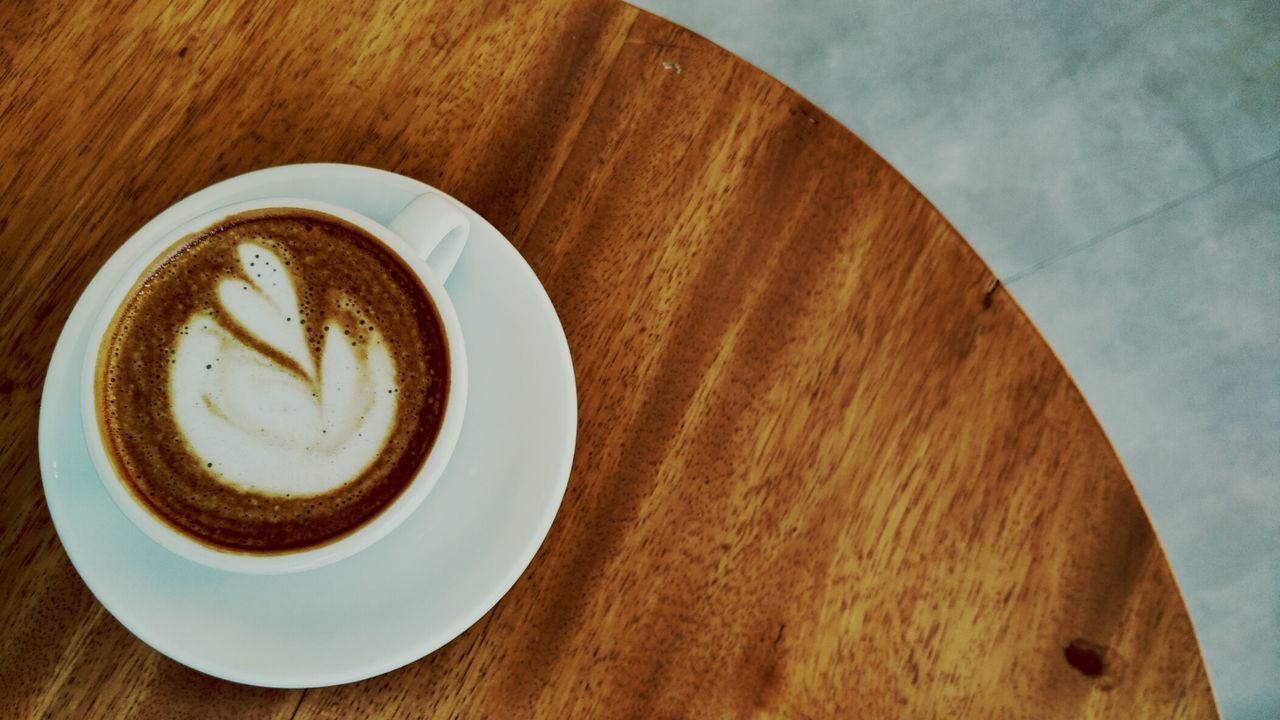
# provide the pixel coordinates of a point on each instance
(1094, 661)
(1083, 656)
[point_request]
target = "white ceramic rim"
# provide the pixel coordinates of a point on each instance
(364, 536)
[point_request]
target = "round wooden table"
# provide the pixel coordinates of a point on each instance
(825, 466)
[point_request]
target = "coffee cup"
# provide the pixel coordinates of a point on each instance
(195, 384)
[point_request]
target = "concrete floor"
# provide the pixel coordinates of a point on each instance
(1118, 166)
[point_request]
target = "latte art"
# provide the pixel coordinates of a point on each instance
(279, 422)
(273, 383)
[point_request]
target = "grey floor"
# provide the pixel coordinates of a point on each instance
(1117, 164)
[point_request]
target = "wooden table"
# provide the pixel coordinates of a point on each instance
(825, 468)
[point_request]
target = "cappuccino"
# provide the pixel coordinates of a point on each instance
(272, 383)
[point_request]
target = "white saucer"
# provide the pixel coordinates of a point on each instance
(421, 586)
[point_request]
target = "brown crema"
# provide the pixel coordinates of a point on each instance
(333, 264)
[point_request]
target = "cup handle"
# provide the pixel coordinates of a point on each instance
(436, 230)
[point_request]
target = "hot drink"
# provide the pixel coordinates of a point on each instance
(272, 383)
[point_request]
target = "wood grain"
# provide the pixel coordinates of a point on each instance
(825, 465)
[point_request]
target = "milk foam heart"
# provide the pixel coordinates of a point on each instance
(293, 428)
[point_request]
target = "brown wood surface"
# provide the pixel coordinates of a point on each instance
(825, 467)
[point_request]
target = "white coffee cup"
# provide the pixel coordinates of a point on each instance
(428, 235)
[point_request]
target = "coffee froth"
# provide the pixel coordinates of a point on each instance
(273, 382)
